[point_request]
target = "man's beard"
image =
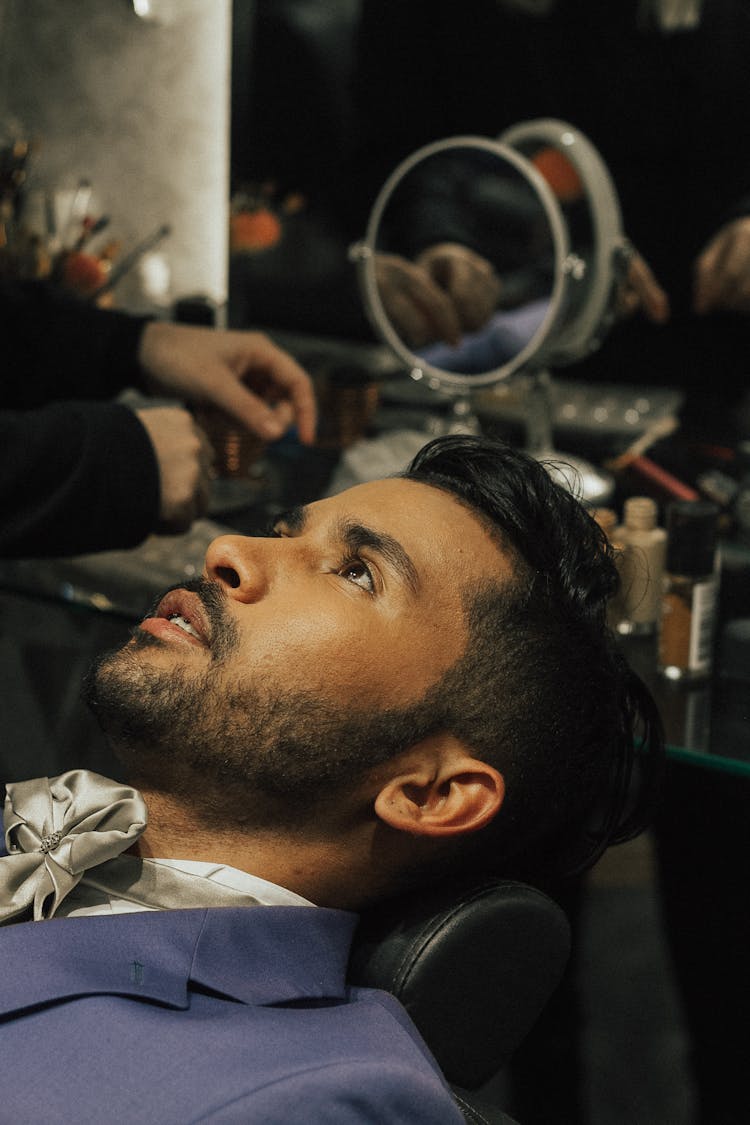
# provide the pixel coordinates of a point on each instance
(240, 752)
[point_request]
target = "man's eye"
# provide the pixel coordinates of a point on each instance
(357, 572)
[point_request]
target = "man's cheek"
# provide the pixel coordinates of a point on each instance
(337, 661)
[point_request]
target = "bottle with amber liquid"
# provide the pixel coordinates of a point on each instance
(691, 586)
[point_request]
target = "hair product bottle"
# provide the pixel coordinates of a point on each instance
(641, 567)
(691, 584)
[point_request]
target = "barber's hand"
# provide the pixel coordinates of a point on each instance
(469, 280)
(242, 373)
(722, 270)
(641, 290)
(185, 458)
(419, 309)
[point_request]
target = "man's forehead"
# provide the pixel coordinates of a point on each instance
(390, 501)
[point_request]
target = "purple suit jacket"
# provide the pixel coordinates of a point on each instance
(221, 1015)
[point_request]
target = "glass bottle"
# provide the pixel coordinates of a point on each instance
(689, 603)
(641, 567)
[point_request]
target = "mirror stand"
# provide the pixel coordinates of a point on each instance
(461, 419)
(591, 485)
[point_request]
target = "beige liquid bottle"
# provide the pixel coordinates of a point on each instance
(641, 567)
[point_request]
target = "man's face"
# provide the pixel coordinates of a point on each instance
(278, 671)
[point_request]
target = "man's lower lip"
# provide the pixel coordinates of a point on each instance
(166, 630)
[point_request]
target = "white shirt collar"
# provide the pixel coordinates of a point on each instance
(269, 894)
(84, 900)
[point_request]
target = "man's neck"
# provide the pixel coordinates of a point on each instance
(319, 870)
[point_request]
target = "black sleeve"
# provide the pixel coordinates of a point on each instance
(75, 477)
(56, 348)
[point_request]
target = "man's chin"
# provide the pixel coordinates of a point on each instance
(137, 690)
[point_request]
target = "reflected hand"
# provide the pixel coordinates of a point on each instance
(185, 458)
(641, 290)
(722, 270)
(468, 279)
(242, 373)
(419, 309)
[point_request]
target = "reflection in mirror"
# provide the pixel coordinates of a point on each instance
(486, 258)
(465, 260)
(461, 268)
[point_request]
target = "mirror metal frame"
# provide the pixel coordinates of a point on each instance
(363, 253)
(612, 251)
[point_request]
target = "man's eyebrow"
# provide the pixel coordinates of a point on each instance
(294, 519)
(355, 536)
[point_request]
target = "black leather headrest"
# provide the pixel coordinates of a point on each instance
(473, 968)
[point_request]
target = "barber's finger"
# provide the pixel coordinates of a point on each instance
(290, 384)
(261, 416)
(468, 278)
(297, 384)
(200, 500)
(649, 295)
(283, 412)
(409, 320)
(723, 271)
(475, 294)
(183, 458)
(262, 375)
(708, 281)
(436, 307)
(420, 310)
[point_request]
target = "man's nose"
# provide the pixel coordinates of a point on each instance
(237, 562)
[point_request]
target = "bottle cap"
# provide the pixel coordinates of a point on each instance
(640, 513)
(692, 529)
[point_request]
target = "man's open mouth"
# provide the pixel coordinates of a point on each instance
(178, 619)
(179, 615)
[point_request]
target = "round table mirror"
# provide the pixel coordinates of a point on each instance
(486, 258)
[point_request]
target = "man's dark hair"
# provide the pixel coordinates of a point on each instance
(543, 693)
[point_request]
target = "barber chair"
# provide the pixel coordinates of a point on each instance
(473, 967)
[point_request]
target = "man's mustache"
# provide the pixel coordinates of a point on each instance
(224, 631)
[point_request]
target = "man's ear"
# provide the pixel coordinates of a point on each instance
(442, 790)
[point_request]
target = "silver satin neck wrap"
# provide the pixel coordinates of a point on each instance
(55, 830)
(64, 830)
